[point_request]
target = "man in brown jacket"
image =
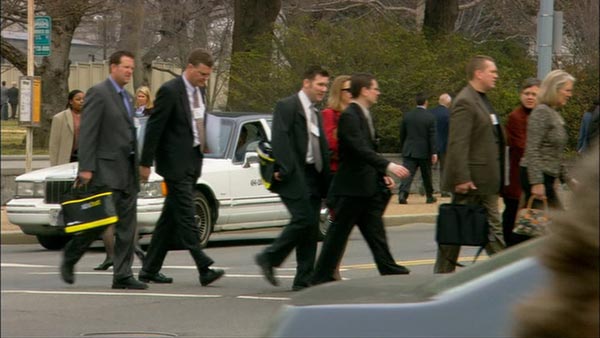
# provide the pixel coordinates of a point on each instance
(475, 154)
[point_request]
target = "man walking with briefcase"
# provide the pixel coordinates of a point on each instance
(475, 153)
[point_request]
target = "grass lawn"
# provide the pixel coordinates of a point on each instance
(13, 139)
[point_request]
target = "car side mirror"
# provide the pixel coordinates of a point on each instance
(249, 158)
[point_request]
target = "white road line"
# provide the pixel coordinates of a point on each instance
(16, 265)
(262, 298)
(109, 273)
(137, 294)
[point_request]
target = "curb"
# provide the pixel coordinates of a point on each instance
(18, 237)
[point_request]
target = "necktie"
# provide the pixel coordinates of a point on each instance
(314, 139)
(199, 122)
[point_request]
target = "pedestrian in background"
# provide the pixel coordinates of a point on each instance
(516, 136)
(586, 119)
(442, 116)
(418, 147)
(360, 190)
(542, 164)
(64, 131)
(108, 158)
(13, 99)
(474, 160)
(301, 177)
(338, 101)
(175, 136)
(4, 101)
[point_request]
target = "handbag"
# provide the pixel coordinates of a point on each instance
(84, 208)
(462, 224)
(532, 222)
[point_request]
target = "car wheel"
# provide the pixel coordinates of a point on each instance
(324, 222)
(53, 242)
(203, 218)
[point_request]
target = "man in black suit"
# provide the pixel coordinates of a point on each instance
(301, 176)
(360, 190)
(419, 150)
(175, 138)
(107, 157)
(442, 117)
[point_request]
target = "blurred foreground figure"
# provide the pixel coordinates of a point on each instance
(569, 305)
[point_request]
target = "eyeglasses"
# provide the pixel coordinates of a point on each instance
(346, 89)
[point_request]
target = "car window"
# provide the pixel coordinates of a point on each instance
(249, 135)
(218, 133)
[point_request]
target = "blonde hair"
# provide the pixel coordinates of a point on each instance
(553, 82)
(335, 94)
(146, 91)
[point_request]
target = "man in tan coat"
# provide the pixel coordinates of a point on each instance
(474, 155)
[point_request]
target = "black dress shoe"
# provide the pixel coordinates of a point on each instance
(66, 273)
(129, 283)
(266, 269)
(158, 278)
(402, 201)
(399, 270)
(210, 276)
(431, 199)
(104, 265)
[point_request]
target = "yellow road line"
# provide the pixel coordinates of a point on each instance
(410, 263)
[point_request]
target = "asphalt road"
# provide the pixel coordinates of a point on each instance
(35, 302)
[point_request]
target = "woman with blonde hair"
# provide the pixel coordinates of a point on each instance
(546, 139)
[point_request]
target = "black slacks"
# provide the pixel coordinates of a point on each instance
(511, 207)
(412, 164)
(366, 213)
(176, 226)
(301, 233)
(125, 232)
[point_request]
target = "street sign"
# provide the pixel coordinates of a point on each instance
(30, 105)
(41, 35)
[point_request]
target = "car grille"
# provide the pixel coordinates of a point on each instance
(55, 190)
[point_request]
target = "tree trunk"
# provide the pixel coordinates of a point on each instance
(252, 19)
(132, 22)
(440, 17)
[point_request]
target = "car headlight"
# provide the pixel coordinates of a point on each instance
(30, 189)
(152, 190)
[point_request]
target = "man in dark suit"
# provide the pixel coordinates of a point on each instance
(442, 116)
(175, 138)
(107, 157)
(360, 190)
(301, 176)
(418, 146)
(474, 167)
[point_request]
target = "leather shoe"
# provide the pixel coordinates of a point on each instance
(402, 201)
(158, 278)
(210, 276)
(129, 283)
(266, 269)
(104, 265)
(401, 270)
(66, 273)
(431, 199)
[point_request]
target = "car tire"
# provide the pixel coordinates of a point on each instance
(53, 242)
(203, 218)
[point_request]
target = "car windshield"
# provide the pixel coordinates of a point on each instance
(218, 133)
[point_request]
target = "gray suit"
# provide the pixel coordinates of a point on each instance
(107, 147)
(473, 154)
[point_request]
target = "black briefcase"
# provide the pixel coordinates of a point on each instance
(84, 208)
(462, 224)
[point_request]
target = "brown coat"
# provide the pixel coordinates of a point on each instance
(472, 154)
(61, 138)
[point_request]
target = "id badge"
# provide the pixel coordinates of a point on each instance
(494, 119)
(198, 113)
(314, 130)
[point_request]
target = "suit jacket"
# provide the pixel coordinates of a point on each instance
(289, 142)
(516, 136)
(169, 136)
(361, 168)
(473, 153)
(61, 138)
(417, 134)
(442, 116)
(107, 142)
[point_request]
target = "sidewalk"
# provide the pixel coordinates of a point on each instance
(416, 211)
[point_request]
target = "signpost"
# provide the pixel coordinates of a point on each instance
(42, 34)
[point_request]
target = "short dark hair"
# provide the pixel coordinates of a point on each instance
(477, 63)
(200, 56)
(115, 58)
(530, 82)
(421, 98)
(312, 71)
(72, 94)
(358, 81)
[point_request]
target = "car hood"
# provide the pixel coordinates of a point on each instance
(66, 171)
